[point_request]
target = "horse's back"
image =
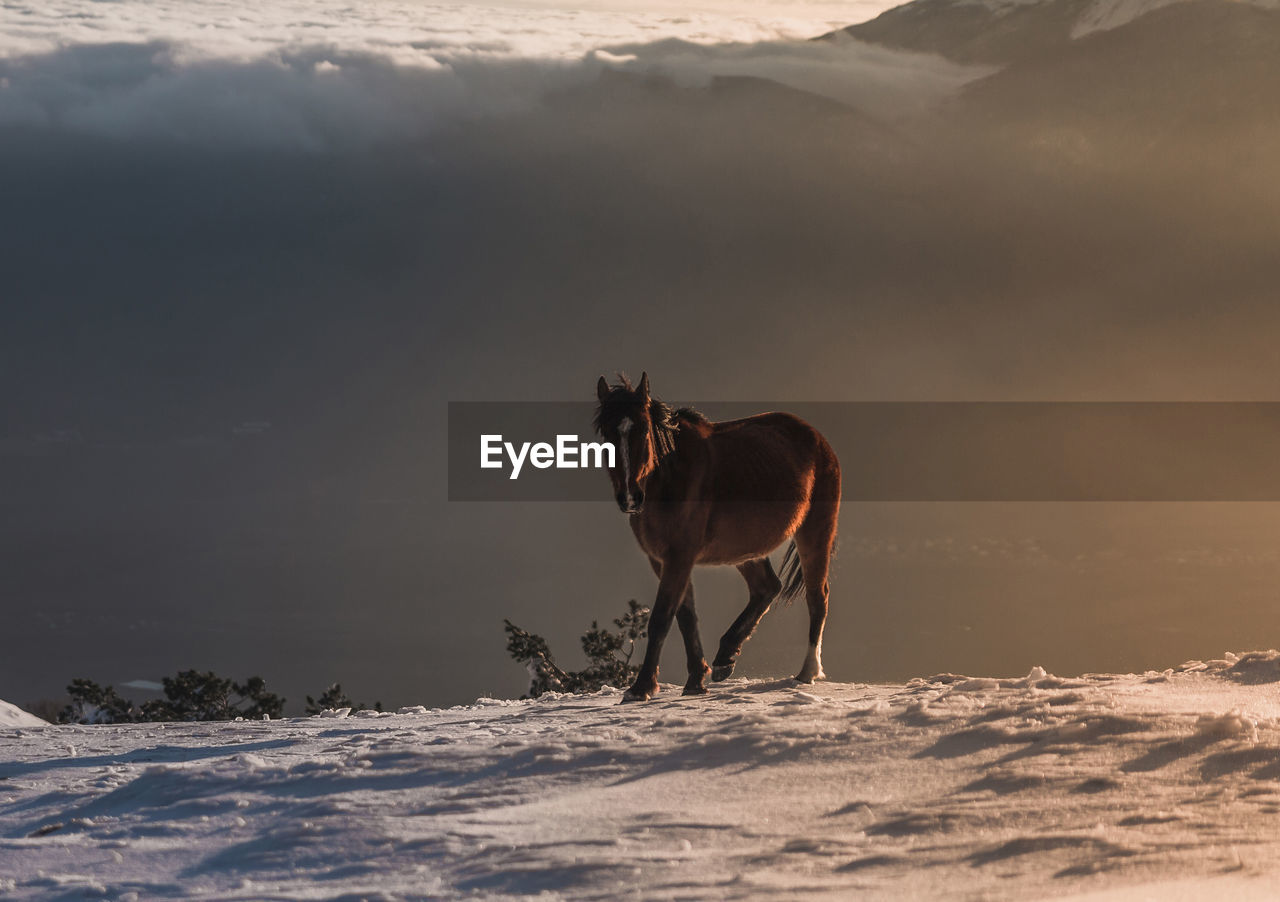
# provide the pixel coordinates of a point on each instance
(770, 448)
(766, 471)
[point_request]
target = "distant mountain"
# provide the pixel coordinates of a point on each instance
(1192, 83)
(13, 716)
(776, 106)
(1004, 31)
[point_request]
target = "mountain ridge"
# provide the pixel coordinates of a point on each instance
(1001, 32)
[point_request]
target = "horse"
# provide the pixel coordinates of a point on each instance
(724, 493)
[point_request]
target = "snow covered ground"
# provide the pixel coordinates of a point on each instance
(1162, 786)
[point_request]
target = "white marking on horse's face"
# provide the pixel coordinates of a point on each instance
(624, 448)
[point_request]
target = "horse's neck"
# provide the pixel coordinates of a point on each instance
(676, 467)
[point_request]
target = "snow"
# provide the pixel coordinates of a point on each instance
(1102, 15)
(13, 716)
(1162, 785)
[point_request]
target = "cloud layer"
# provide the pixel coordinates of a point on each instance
(413, 32)
(331, 77)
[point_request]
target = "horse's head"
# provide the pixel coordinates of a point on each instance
(624, 418)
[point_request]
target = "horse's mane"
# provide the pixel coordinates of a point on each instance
(666, 420)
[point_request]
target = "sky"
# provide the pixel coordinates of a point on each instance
(252, 252)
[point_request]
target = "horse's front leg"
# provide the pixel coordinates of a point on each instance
(687, 620)
(672, 585)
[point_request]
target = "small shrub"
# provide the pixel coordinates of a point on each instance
(91, 703)
(334, 698)
(189, 696)
(609, 654)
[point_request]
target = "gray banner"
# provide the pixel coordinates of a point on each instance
(933, 451)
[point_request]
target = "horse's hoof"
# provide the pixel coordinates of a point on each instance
(809, 678)
(721, 672)
(636, 695)
(695, 690)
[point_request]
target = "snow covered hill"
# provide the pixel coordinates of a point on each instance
(1003, 31)
(1161, 785)
(1185, 98)
(13, 716)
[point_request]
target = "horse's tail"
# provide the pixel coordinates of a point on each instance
(792, 576)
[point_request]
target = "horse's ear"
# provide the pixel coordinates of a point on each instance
(602, 389)
(644, 386)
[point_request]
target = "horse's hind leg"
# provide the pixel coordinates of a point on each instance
(764, 586)
(687, 618)
(814, 541)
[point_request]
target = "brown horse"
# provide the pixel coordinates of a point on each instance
(699, 492)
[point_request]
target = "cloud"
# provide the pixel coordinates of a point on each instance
(887, 83)
(408, 32)
(325, 77)
(325, 98)
(149, 685)
(312, 98)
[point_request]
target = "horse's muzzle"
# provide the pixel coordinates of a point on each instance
(630, 504)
